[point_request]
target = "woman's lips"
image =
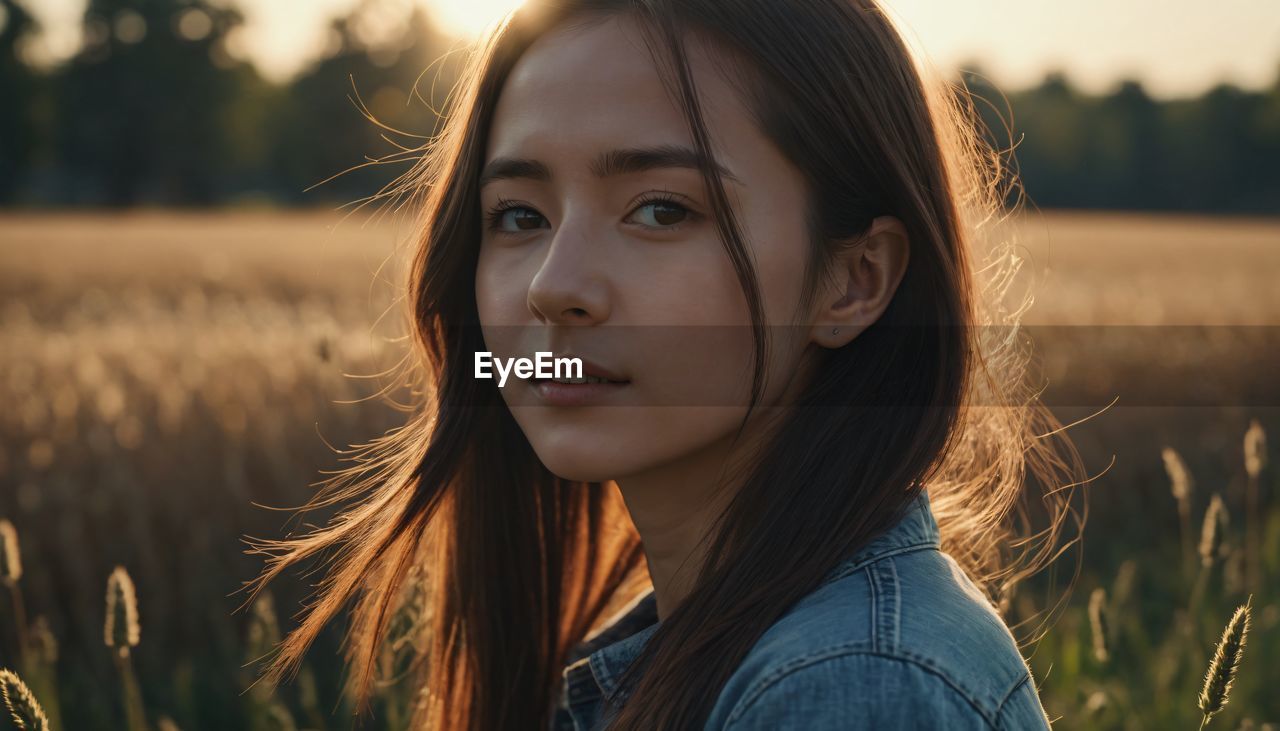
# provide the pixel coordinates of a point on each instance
(556, 393)
(591, 369)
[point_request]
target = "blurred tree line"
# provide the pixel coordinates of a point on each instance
(1219, 152)
(158, 108)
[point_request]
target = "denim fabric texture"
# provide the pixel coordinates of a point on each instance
(897, 637)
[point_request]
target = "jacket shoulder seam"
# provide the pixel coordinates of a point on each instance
(859, 564)
(848, 650)
(1026, 678)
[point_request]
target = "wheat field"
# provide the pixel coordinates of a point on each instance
(166, 375)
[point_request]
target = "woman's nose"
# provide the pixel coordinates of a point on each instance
(571, 286)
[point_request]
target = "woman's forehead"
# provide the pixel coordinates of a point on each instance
(596, 86)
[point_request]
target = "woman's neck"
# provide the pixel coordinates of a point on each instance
(672, 508)
(675, 505)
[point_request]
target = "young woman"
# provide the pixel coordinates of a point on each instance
(789, 495)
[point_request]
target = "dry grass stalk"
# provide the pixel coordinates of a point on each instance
(1122, 587)
(43, 642)
(278, 718)
(1225, 664)
(121, 630)
(1096, 704)
(1215, 518)
(1179, 477)
(1255, 458)
(264, 627)
(1098, 622)
(10, 558)
(1255, 449)
(26, 711)
(1210, 535)
(10, 572)
(1180, 485)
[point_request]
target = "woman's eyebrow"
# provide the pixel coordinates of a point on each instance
(507, 168)
(635, 160)
(613, 162)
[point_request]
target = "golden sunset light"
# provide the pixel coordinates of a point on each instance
(639, 365)
(471, 17)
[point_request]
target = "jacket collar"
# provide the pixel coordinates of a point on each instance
(601, 660)
(916, 529)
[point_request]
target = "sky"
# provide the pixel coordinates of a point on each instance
(1176, 47)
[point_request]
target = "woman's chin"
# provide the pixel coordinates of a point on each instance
(586, 456)
(579, 465)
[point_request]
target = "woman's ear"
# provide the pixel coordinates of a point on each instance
(865, 277)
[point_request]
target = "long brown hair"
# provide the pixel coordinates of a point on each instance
(522, 564)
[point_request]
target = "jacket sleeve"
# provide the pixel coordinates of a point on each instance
(889, 693)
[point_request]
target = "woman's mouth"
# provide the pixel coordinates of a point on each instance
(584, 379)
(584, 391)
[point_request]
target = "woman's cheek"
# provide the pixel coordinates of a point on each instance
(501, 288)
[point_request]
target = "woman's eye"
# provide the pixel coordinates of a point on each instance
(661, 214)
(519, 218)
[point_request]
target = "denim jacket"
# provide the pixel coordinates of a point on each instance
(897, 637)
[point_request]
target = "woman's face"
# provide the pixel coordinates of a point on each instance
(601, 245)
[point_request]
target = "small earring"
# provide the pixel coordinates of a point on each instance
(835, 331)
